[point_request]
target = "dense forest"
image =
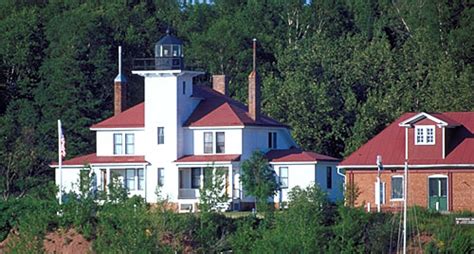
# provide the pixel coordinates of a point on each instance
(336, 71)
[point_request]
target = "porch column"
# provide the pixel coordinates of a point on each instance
(145, 176)
(230, 177)
(107, 176)
(201, 180)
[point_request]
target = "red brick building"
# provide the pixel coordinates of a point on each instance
(439, 151)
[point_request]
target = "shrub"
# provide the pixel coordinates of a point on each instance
(246, 233)
(124, 228)
(303, 227)
(33, 218)
(349, 231)
(173, 231)
(213, 232)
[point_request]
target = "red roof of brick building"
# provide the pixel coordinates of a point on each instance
(214, 110)
(94, 159)
(296, 155)
(390, 144)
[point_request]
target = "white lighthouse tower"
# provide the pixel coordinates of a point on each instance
(169, 101)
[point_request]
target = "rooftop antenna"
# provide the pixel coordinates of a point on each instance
(254, 54)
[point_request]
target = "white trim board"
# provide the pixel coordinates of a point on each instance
(409, 166)
(101, 164)
(118, 129)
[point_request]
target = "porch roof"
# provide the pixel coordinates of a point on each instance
(94, 159)
(209, 158)
(297, 155)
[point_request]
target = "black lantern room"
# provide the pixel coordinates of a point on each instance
(169, 53)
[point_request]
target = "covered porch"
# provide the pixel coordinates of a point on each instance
(195, 170)
(192, 179)
(132, 178)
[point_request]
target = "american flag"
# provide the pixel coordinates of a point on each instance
(62, 140)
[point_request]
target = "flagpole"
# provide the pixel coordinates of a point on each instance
(405, 182)
(60, 162)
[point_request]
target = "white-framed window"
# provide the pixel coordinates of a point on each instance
(195, 178)
(161, 135)
(161, 176)
(283, 174)
(208, 142)
(141, 179)
(124, 143)
(397, 188)
(134, 179)
(329, 177)
(220, 142)
(118, 143)
(272, 140)
(213, 142)
(129, 143)
(425, 135)
(130, 178)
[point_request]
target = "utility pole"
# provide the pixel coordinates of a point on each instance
(377, 190)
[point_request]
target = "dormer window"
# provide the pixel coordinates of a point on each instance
(425, 135)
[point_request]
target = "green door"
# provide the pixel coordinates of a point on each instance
(438, 194)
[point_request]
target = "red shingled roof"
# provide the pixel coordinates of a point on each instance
(390, 143)
(445, 118)
(133, 117)
(296, 155)
(94, 159)
(214, 110)
(220, 110)
(209, 158)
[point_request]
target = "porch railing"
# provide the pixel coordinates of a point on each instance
(188, 193)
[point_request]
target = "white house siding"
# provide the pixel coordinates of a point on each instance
(70, 179)
(336, 192)
(105, 141)
(300, 174)
(187, 103)
(306, 174)
(256, 138)
(163, 94)
(189, 141)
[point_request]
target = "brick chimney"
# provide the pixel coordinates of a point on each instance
(220, 84)
(254, 88)
(120, 87)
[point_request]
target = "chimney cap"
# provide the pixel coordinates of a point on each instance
(120, 77)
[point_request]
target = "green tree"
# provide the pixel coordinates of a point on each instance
(258, 179)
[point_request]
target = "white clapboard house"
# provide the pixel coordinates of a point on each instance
(181, 128)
